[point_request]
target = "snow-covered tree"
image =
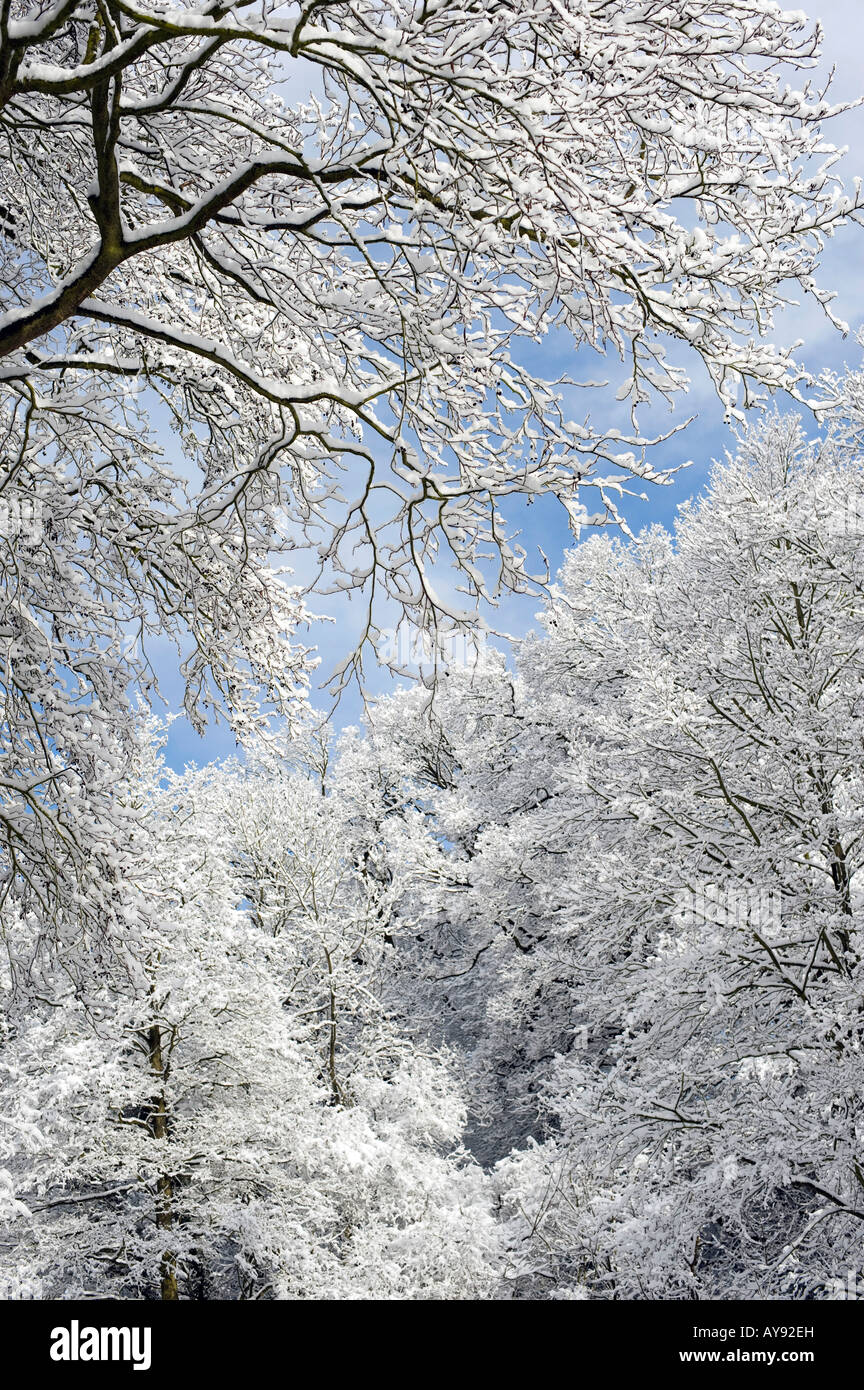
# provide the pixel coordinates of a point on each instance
(235, 1003)
(641, 894)
(604, 908)
(187, 1132)
(709, 1114)
(326, 300)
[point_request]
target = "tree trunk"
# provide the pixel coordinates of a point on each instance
(164, 1187)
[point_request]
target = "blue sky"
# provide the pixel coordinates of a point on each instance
(705, 439)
